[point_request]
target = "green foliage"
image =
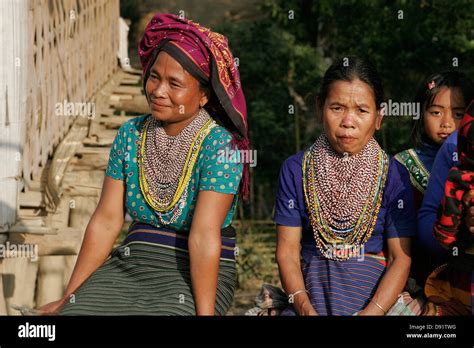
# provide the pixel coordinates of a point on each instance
(295, 41)
(406, 40)
(266, 55)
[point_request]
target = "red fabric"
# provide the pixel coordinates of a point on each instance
(459, 182)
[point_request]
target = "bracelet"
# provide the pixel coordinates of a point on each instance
(292, 296)
(375, 303)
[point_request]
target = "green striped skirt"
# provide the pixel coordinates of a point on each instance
(149, 274)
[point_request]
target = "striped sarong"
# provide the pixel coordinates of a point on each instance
(339, 288)
(149, 274)
(346, 287)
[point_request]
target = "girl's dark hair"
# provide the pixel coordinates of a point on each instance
(427, 93)
(348, 69)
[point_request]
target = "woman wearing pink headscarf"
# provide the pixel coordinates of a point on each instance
(175, 172)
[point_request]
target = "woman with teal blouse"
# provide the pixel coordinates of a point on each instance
(207, 175)
(175, 172)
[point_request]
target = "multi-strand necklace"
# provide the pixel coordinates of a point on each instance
(343, 195)
(166, 163)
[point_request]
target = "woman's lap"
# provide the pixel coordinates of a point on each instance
(141, 279)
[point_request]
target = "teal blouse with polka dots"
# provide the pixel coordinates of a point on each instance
(210, 173)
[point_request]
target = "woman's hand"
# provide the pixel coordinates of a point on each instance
(288, 259)
(304, 307)
(394, 279)
(52, 308)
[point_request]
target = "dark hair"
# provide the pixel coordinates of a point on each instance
(183, 60)
(427, 93)
(348, 69)
(206, 88)
(213, 105)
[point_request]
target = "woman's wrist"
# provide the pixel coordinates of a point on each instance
(303, 305)
(67, 297)
(205, 310)
(372, 309)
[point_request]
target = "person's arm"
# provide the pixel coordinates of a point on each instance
(99, 238)
(289, 265)
(205, 247)
(445, 159)
(287, 216)
(394, 279)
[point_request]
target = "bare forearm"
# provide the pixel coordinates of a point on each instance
(292, 281)
(98, 241)
(204, 254)
(390, 287)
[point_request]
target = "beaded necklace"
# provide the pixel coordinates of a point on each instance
(166, 164)
(343, 195)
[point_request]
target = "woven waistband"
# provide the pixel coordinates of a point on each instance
(313, 250)
(140, 232)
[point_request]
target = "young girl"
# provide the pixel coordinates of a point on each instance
(442, 99)
(450, 288)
